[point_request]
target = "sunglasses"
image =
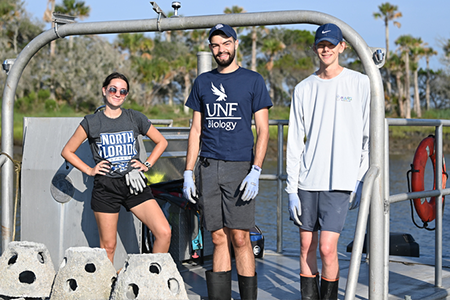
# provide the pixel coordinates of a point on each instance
(113, 90)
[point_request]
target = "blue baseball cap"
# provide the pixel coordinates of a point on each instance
(226, 29)
(328, 32)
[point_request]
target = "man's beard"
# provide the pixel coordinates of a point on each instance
(225, 63)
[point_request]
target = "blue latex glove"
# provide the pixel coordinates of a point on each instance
(189, 189)
(136, 181)
(295, 208)
(355, 196)
(251, 184)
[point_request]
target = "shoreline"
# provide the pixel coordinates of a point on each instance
(396, 146)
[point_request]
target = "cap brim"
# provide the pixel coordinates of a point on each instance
(331, 40)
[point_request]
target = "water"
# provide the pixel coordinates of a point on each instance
(400, 216)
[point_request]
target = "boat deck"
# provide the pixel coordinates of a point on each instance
(278, 278)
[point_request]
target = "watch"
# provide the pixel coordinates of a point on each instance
(147, 164)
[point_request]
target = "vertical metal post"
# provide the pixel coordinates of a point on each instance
(204, 62)
(438, 201)
(280, 190)
(387, 211)
(203, 65)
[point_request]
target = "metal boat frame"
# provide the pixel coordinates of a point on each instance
(375, 199)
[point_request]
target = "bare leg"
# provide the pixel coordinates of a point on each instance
(308, 250)
(328, 254)
(221, 255)
(245, 260)
(152, 216)
(107, 230)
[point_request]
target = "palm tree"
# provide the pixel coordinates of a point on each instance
(272, 46)
(73, 8)
(428, 53)
(404, 42)
(236, 10)
(388, 12)
(137, 44)
(397, 65)
(417, 52)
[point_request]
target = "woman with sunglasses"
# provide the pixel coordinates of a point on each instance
(112, 134)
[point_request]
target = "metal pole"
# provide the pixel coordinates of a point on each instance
(387, 211)
(204, 62)
(358, 242)
(280, 189)
(185, 23)
(438, 201)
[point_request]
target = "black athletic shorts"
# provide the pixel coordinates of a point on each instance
(220, 198)
(109, 194)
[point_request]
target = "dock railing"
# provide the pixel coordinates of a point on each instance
(437, 192)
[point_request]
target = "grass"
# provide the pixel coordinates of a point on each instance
(180, 119)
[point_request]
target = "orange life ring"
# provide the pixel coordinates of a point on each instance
(426, 210)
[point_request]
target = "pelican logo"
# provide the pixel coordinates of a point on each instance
(221, 93)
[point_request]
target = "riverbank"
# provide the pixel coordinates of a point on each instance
(397, 145)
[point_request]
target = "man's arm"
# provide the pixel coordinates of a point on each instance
(262, 135)
(194, 141)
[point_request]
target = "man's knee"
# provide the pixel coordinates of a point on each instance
(240, 238)
(219, 237)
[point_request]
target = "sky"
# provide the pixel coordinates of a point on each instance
(425, 19)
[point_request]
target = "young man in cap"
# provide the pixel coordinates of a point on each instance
(227, 175)
(327, 157)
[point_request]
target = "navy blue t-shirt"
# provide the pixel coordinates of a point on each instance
(227, 103)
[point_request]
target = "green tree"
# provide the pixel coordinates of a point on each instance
(271, 47)
(397, 65)
(405, 43)
(236, 10)
(417, 52)
(428, 51)
(388, 12)
(137, 44)
(73, 8)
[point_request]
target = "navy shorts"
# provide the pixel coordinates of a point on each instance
(323, 210)
(218, 184)
(109, 194)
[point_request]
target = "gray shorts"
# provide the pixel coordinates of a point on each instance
(218, 185)
(323, 210)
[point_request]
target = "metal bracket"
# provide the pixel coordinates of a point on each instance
(61, 19)
(7, 64)
(378, 56)
(160, 13)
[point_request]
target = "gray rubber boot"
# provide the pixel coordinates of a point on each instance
(309, 287)
(329, 289)
(219, 285)
(248, 287)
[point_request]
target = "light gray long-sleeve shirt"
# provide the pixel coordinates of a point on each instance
(328, 137)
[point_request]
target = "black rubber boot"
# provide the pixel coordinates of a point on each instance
(309, 287)
(219, 285)
(248, 287)
(329, 289)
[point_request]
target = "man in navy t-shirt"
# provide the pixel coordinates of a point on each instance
(224, 101)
